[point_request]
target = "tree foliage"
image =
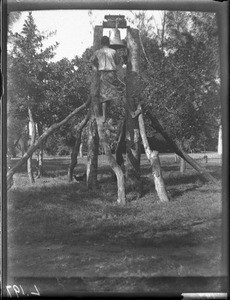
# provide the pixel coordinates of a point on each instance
(180, 69)
(28, 64)
(50, 89)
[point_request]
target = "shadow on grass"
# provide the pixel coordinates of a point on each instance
(70, 192)
(197, 181)
(145, 235)
(170, 168)
(172, 175)
(178, 179)
(146, 169)
(215, 171)
(53, 174)
(65, 193)
(177, 193)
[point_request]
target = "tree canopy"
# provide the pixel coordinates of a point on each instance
(180, 68)
(179, 72)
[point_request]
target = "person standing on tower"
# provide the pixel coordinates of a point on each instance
(106, 60)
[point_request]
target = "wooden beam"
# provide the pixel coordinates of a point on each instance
(153, 157)
(75, 149)
(133, 139)
(93, 137)
(156, 125)
(44, 136)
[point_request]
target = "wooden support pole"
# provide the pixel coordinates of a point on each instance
(92, 154)
(153, 157)
(112, 161)
(98, 33)
(101, 129)
(121, 144)
(157, 126)
(44, 136)
(93, 138)
(76, 147)
(132, 165)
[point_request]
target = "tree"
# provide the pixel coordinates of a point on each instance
(28, 66)
(192, 61)
(173, 48)
(51, 90)
(180, 70)
(68, 85)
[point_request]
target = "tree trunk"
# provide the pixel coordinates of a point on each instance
(40, 155)
(157, 126)
(11, 151)
(112, 161)
(40, 170)
(48, 132)
(121, 145)
(75, 151)
(92, 154)
(132, 101)
(220, 148)
(74, 154)
(182, 166)
(30, 170)
(81, 151)
(182, 161)
(23, 142)
(32, 137)
(176, 158)
(153, 157)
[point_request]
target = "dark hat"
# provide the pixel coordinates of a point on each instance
(105, 41)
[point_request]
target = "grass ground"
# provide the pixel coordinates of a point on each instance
(62, 230)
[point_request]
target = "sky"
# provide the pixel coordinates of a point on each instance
(74, 28)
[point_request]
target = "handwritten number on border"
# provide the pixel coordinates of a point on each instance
(19, 290)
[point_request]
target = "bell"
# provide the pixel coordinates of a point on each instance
(115, 39)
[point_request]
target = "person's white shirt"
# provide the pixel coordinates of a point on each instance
(107, 59)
